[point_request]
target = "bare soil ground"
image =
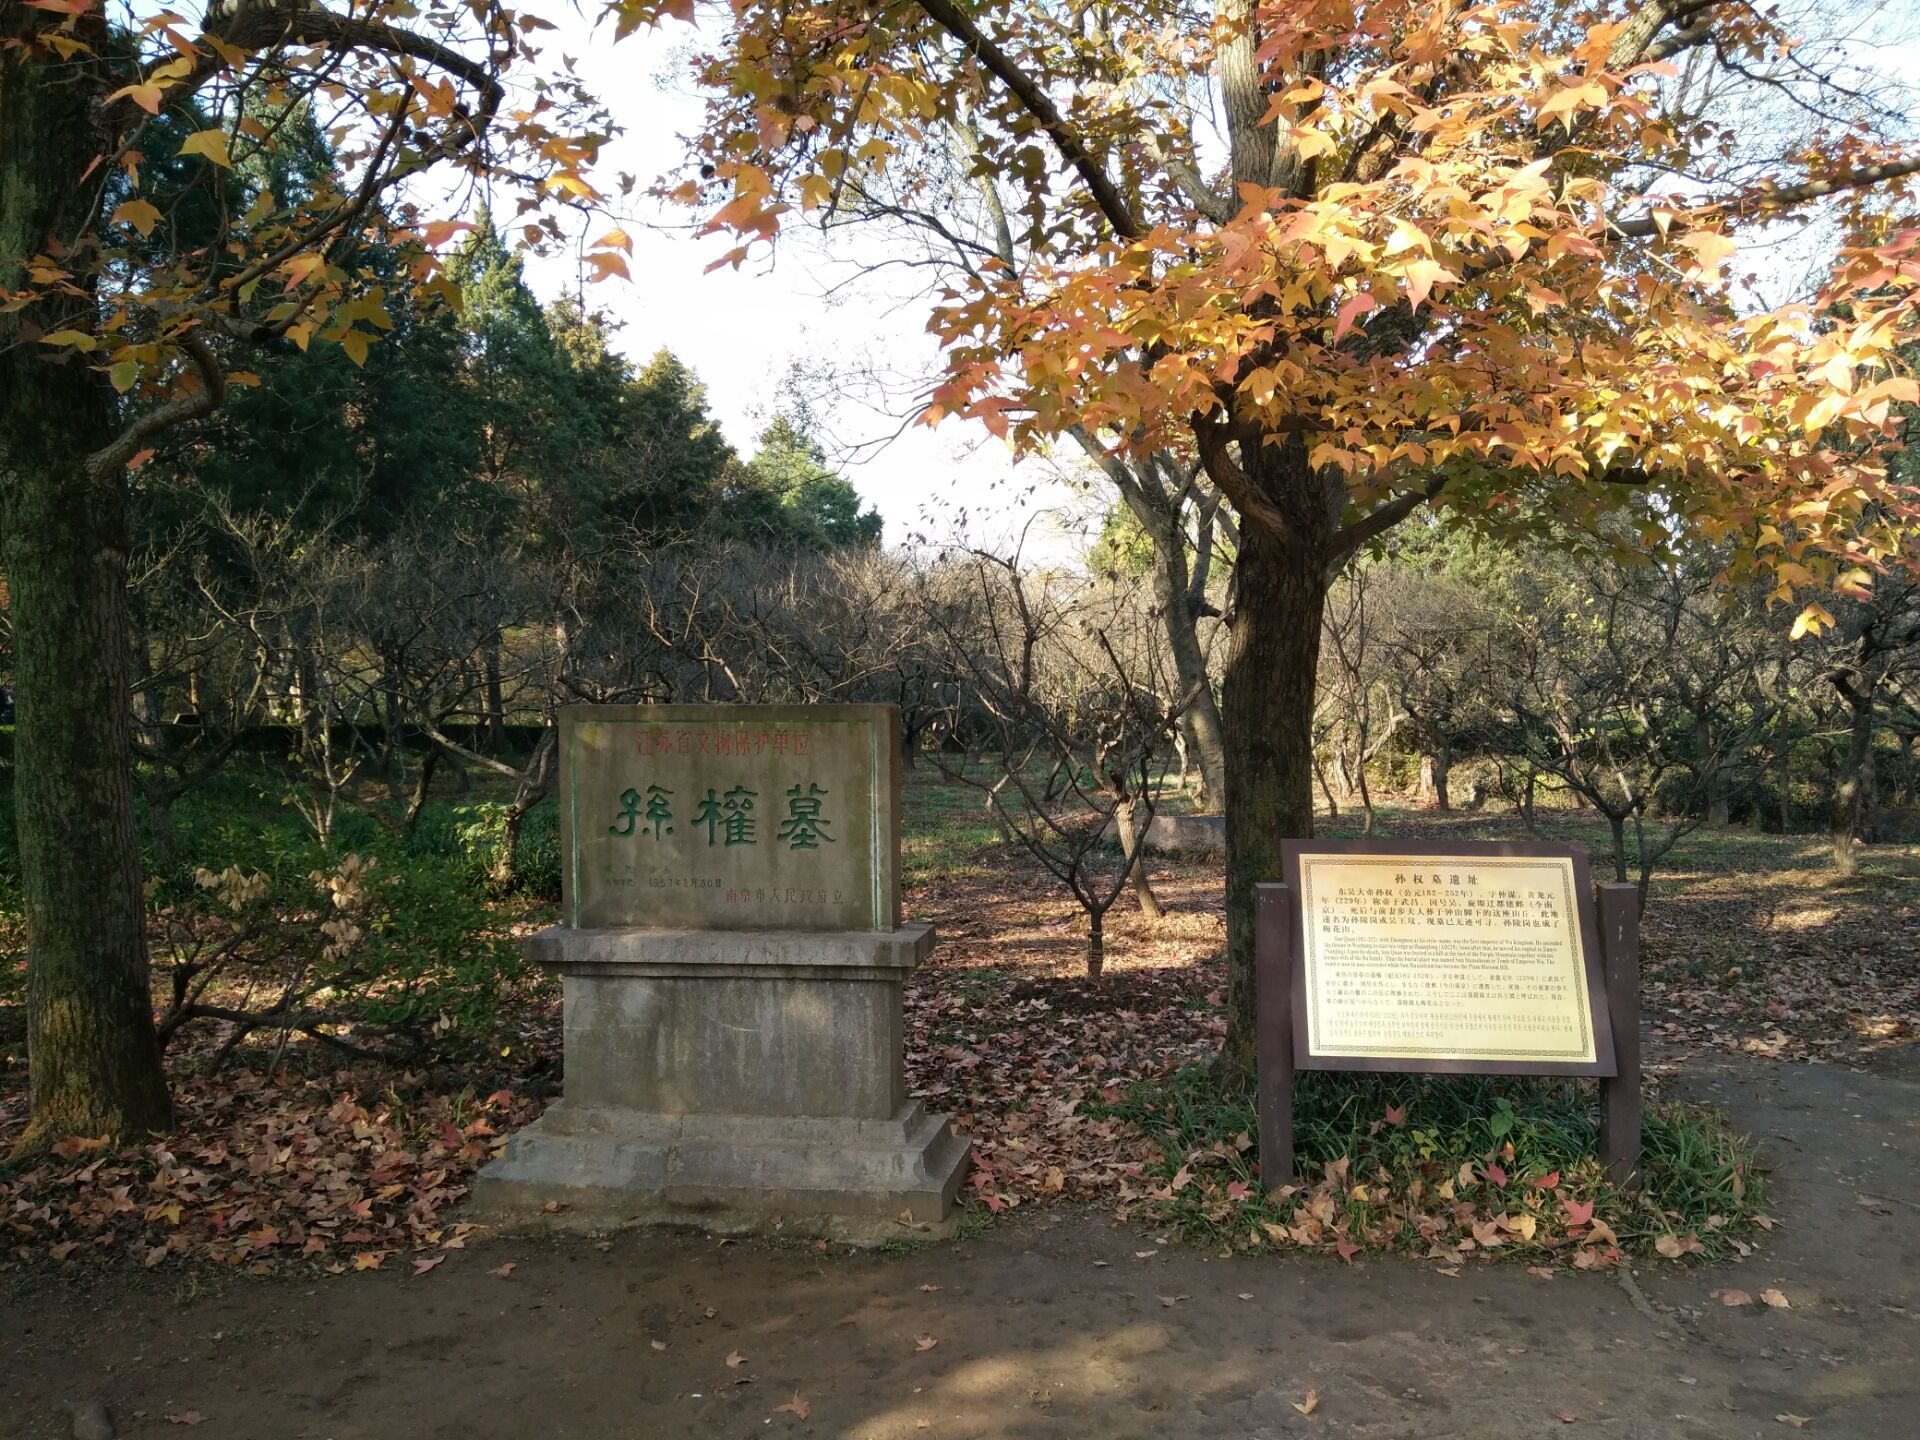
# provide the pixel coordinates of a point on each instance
(1054, 1323)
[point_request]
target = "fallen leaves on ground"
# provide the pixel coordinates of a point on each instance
(1008, 1038)
(261, 1175)
(799, 1407)
(1792, 963)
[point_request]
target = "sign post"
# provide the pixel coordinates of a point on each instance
(1483, 958)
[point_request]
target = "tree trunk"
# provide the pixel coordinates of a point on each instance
(1131, 849)
(495, 737)
(1618, 825)
(1272, 663)
(1096, 943)
(1853, 793)
(95, 1063)
(1320, 774)
(1366, 791)
(1442, 774)
(1200, 722)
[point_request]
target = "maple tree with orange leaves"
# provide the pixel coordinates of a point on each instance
(1445, 256)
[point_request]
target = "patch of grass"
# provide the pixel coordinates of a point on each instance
(1441, 1166)
(946, 829)
(969, 1222)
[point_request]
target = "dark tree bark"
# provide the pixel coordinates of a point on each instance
(1267, 719)
(1436, 775)
(95, 1064)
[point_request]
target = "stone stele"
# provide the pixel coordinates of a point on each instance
(732, 959)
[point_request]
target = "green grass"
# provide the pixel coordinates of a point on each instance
(1466, 1149)
(946, 828)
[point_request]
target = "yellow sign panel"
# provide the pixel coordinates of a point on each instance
(1444, 958)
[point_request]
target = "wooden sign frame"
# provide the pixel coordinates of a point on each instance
(1610, 944)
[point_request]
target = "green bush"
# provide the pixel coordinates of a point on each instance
(473, 836)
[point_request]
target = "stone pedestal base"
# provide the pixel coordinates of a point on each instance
(744, 1082)
(865, 1181)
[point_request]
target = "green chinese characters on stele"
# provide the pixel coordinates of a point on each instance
(727, 818)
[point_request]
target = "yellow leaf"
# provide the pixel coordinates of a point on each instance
(574, 185)
(1811, 620)
(123, 374)
(1710, 251)
(147, 97)
(606, 264)
(236, 58)
(355, 344)
(815, 191)
(139, 214)
(1309, 143)
(211, 144)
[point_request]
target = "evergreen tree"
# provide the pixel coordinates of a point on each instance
(791, 499)
(674, 462)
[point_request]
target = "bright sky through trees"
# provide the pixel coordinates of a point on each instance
(745, 330)
(742, 330)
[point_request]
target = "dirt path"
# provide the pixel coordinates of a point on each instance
(1063, 1325)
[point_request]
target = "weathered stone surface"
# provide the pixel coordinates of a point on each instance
(863, 1181)
(1197, 834)
(750, 1024)
(731, 817)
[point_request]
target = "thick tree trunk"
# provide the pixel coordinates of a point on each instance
(1853, 794)
(1268, 725)
(95, 1064)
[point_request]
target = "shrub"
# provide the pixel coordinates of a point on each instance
(1441, 1165)
(386, 951)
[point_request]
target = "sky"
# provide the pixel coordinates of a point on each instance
(743, 330)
